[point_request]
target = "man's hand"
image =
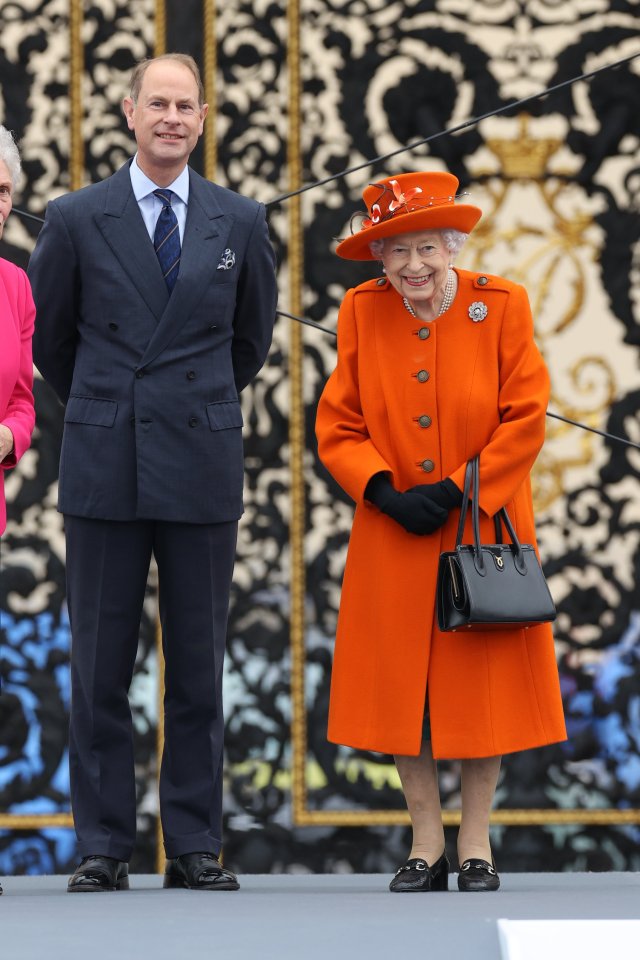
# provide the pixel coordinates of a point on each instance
(6, 442)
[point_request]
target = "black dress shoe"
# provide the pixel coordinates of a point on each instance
(478, 876)
(199, 871)
(97, 873)
(416, 876)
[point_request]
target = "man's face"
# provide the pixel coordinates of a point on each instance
(167, 119)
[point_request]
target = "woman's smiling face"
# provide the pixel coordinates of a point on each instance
(416, 264)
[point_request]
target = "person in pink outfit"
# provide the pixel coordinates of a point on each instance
(17, 314)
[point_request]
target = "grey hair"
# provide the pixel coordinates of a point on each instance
(452, 239)
(9, 155)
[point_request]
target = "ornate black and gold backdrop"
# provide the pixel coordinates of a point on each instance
(298, 92)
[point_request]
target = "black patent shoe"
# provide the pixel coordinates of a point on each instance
(199, 871)
(478, 876)
(97, 874)
(416, 876)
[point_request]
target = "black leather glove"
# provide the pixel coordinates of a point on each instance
(443, 492)
(414, 510)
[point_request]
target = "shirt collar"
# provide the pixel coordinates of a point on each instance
(142, 186)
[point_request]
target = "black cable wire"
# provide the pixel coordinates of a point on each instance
(602, 433)
(451, 130)
(28, 216)
(307, 323)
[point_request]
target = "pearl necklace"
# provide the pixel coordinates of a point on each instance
(447, 299)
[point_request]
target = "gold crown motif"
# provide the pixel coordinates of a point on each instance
(524, 158)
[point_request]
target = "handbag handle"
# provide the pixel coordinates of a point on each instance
(472, 484)
(465, 502)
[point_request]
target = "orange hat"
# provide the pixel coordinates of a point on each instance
(407, 203)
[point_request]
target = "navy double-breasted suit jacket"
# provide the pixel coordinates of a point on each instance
(151, 381)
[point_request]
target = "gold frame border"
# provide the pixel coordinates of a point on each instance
(76, 70)
(451, 818)
(302, 816)
(35, 821)
(160, 28)
(347, 818)
(296, 424)
(210, 70)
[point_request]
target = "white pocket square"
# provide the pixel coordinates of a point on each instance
(227, 260)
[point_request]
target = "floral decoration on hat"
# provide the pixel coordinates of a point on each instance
(406, 203)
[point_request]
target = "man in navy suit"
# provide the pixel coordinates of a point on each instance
(155, 292)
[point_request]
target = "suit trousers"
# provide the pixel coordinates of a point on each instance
(107, 568)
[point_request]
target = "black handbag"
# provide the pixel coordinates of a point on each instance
(490, 586)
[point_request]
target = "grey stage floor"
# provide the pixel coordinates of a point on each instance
(284, 916)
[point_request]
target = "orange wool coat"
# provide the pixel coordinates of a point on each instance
(486, 393)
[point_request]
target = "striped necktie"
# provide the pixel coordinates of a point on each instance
(166, 239)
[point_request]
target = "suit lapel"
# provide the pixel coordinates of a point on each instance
(123, 228)
(205, 235)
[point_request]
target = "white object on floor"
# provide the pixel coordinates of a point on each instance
(561, 939)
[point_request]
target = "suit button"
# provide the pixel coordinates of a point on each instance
(193, 421)
(428, 466)
(139, 374)
(423, 376)
(424, 420)
(113, 326)
(424, 333)
(483, 281)
(191, 375)
(213, 326)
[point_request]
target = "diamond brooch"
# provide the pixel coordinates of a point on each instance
(478, 311)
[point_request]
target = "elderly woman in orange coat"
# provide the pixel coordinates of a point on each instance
(435, 365)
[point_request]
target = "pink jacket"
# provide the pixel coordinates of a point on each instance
(17, 315)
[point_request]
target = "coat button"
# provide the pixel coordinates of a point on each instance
(424, 420)
(193, 421)
(113, 326)
(428, 466)
(381, 281)
(139, 374)
(424, 333)
(423, 376)
(191, 374)
(483, 281)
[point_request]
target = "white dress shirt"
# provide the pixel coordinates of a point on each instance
(151, 206)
